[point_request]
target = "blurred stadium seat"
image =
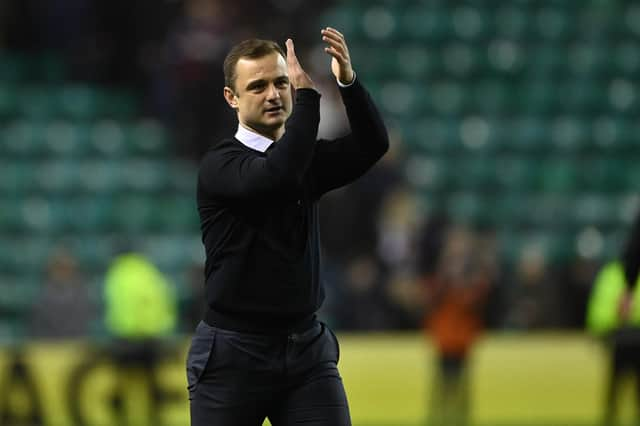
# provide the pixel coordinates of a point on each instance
(520, 114)
(81, 166)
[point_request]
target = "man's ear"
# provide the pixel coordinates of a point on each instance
(230, 97)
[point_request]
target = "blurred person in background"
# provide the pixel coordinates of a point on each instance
(456, 292)
(533, 302)
(192, 311)
(354, 222)
(260, 351)
(64, 307)
(140, 315)
(189, 94)
(614, 314)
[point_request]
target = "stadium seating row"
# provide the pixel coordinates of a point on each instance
(30, 138)
(440, 20)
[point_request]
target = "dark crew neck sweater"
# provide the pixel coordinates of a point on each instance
(259, 215)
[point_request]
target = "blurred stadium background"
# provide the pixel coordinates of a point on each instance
(515, 121)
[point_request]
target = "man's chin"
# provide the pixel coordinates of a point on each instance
(275, 120)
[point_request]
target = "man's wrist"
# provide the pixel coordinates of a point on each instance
(341, 84)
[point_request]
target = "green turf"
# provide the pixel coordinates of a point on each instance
(524, 380)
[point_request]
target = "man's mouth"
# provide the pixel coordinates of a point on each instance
(274, 109)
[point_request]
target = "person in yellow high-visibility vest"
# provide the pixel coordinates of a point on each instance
(140, 312)
(613, 313)
(139, 300)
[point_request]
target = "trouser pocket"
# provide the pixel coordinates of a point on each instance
(199, 355)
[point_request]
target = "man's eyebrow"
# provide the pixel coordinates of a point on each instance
(255, 83)
(261, 82)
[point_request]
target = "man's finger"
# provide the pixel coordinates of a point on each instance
(333, 35)
(333, 30)
(291, 53)
(338, 45)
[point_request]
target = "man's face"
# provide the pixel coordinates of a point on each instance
(262, 95)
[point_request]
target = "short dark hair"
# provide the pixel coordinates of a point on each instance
(253, 49)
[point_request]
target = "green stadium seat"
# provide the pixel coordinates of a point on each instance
(13, 67)
(412, 61)
(593, 209)
(490, 96)
(379, 22)
(579, 96)
(56, 176)
(86, 214)
(182, 177)
(569, 134)
(475, 173)
(429, 174)
(535, 96)
(630, 172)
(17, 178)
(117, 105)
(145, 175)
(12, 330)
(100, 176)
(588, 58)
(66, 139)
(37, 102)
(373, 61)
(625, 61)
(51, 68)
(400, 98)
(464, 207)
(445, 97)
(23, 138)
(516, 173)
(9, 100)
(94, 252)
(432, 136)
(604, 174)
(78, 102)
(133, 213)
(175, 214)
(554, 22)
(511, 21)
(11, 217)
(547, 212)
(545, 60)
(347, 18)
(530, 134)
(148, 137)
(24, 255)
(173, 253)
(108, 138)
(428, 23)
(471, 22)
(558, 176)
(462, 60)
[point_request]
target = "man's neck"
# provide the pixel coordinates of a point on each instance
(273, 134)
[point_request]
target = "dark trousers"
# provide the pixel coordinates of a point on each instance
(239, 379)
(625, 360)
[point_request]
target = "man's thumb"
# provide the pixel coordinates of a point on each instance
(290, 49)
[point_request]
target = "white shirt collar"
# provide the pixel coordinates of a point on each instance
(252, 139)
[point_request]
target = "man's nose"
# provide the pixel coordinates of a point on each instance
(273, 92)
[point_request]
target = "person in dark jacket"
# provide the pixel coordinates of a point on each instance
(260, 352)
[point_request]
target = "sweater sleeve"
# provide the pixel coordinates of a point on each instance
(341, 161)
(235, 172)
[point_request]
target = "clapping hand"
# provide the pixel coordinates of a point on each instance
(337, 48)
(297, 75)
